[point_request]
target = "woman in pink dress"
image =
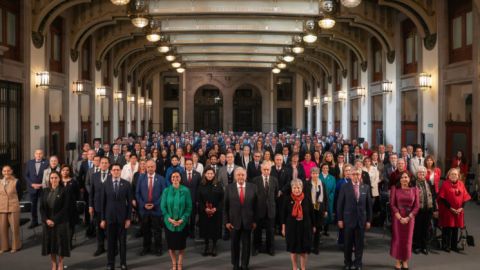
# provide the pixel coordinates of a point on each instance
(308, 164)
(404, 204)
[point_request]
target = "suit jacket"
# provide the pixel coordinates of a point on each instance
(350, 159)
(413, 165)
(59, 214)
(82, 173)
(120, 160)
(141, 194)
(237, 214)
(88, 177)
(266, 201)
(351, 212)
(253, 172)
(192, 186)
(31, 176)
(100, 152)
(116, 208)
(222, 175)
(96, 191)
(240, 161)
(284, 176)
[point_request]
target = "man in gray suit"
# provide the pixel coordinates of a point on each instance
(267, 190)
(225, 173)
(116, 157)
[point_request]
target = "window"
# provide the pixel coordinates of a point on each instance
(461, 30)
(354, 70)
(86, 59)
(377, 72)
(56, 45)
(171, 88)
(410, 52)
(10, 28)
(284, 89)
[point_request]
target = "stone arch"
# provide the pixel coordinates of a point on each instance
(208, 108)
(247, 108)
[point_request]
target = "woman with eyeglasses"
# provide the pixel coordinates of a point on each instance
(451, 200)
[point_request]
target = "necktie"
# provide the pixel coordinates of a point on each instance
(266, 184)
(115, 187)
(103, 176)
(229, 169)
(242, 195)
(89, 164)
(357, 191)
(419, 161)
(189, 177)
(256, 165)
(150, 188)
(115, 158)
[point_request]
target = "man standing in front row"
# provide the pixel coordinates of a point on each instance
(116, 215)
(354, 212)
(240, 216)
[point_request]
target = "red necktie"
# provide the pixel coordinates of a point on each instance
(242, 195)
(150, 188)
(189, 177)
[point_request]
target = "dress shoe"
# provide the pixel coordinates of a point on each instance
(425, 251)
(315, 251)
(33, 225)
(99, 252)
(271, 252)
(214, 250)
(123, 267)
(254, 252)
(144, 252)
(346, 267)
(416, 251)
(110, 267)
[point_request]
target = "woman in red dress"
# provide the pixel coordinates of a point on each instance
(433, 173)
(451, 200)
(404, 204)
(460, 162)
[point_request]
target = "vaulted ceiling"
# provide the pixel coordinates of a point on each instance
(232, 33)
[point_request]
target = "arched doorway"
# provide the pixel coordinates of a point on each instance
(247, 109)
(208, 109)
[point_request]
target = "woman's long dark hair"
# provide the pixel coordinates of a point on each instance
(204, 178)
(411, 183)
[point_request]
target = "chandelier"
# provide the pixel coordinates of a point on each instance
(351, 3)
(139, 13)
(310, 35)
(297, 45)
(153, 31)
(120, 2)
(327, 10)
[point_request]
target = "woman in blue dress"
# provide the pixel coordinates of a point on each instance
(329, 181)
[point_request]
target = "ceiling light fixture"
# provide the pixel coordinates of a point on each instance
(153, 31)
(138, 14)
(120, 2)
(310, 35)
(276, 70)
(351, 3)
(281, 65)
(176, 64)
(180, 70)
(163, 49)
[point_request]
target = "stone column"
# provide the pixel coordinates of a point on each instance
(156, 102)
(318, 108)
(310, 112)
(298, 102)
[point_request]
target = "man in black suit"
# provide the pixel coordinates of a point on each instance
(116, 215)
(286, 155)
(95, 202)
(97, 147)
(354, 212)
(240, 216)
(33, 178)
(253, 169)
(283, 174)
(82, 177)
(116, 157)
(267, 191)
(191, 179)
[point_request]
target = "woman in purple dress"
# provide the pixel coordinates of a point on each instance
(404, 203)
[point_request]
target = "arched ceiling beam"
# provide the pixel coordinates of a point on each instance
(47, 15)
(350, 43)
(424, 22)
(325, 66)
(136, 61)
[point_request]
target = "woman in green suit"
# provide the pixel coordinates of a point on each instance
(176, 208)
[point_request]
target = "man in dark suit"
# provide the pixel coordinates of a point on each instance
(354, 212)
(389, 168)
(33, 177)
(283, 174)
(253, 169)
(116, 157)
(149, 191)
(191, 179)
(95, 202)
(348, 156)
(267, 191)
(240, 216)
(116, 215)
(286, 155)
(82, 177)
(97, 147)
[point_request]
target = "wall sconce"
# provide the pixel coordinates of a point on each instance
(307, 103)
(316, 100)
(360, 91)
(425, 81)
(118, 95)
(327, 99)
(342, 95)
(149, 103)
(141, 100)
(131, 99)
(43, 79)
(387, 87)
(79, 87)
(101, 92)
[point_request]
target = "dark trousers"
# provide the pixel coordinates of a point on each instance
(269, 225)
(353, 237)
(34, 198)
(422, 224)
(116, 233)
(100, 232)
(152, 225)
(244, 236)
(86, 213)
(449, 238)
(193, 220)
(317, 222)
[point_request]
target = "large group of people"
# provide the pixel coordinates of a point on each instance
(236, 186)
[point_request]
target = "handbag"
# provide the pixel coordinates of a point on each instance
(470, 239)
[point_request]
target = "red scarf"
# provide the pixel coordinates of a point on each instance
(297, 211)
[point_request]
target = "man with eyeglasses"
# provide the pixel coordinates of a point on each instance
(354, 214)
(253, 169)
